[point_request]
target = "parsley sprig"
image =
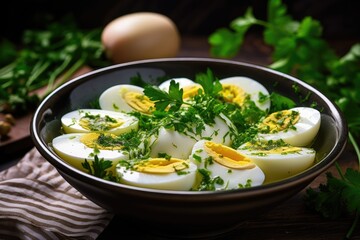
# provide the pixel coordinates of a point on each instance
(339, 196)
(48, 57)
(209, 83)
(163, 99)
(299, 49)
(99, 168)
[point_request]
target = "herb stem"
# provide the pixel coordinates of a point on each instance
(69, 73)
(353, 225)
(38, 70)
(356, 147)
(58, 71)
(263, 23)
(77, 65)
(338, 168)
(7, 69)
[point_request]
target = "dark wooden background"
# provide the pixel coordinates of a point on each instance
(340, 18)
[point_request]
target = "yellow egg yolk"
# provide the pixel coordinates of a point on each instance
(99, 124)
(279, 121)
(227, 156)
(139, 102)
(271, 147)
(162, 165)
(190, 91)
(101, 141)
(233, 94)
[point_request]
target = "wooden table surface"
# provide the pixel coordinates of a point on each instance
(289, 220)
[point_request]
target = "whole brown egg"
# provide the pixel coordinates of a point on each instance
(142, 35)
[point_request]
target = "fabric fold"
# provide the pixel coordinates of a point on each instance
(37, 203)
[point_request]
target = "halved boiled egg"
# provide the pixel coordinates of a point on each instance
(277, 159)
(95, 120)
(172, 143)
(179, 145)
(125, 98)
(74, 148)
(237, 89)
(297, 126)
(159, 173)
(236, 170)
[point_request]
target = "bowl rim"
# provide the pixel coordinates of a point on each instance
(303, 177)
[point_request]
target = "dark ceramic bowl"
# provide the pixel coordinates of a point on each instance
(183, 212)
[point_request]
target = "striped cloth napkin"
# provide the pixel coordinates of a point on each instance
(37, 203)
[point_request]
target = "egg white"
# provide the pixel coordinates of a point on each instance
(179, 145)
(71, 121)
(304, 131)
(232, 177)
(277, 166)
(73, 151)
(217, 132)
(164, 181)
(173, 143)
(251, 87)
(113, 98)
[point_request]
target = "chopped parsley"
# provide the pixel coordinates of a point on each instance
(208, 183)
(107, 140)
(197, 158)
(246, 185)
(97, 123)
(164, 155)
(99, 168)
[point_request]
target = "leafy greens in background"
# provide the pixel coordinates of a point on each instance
(55, 53)
(300, 50)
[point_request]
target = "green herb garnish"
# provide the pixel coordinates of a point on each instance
(47, 55)
(163, 99)
(299, 50)
(209, 82)
(248, 184)
(99, 168)
(207, 182)
(202, 109)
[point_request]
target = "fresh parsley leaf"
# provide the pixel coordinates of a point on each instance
(327, 200)
(338, 196)
(279, 25)
(209, 82)
(175, 92)
(163, 99)
(225, 42)
(138, 81)
(351, 192)
(280, 102)
(98, 167)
